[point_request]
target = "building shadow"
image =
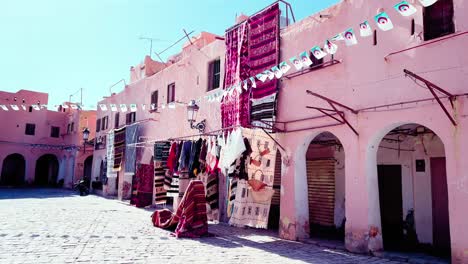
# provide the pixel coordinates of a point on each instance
(34, 193)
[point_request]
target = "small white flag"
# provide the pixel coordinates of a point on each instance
(4, 107)
(113, 107)
(123, 107)
(103, 107)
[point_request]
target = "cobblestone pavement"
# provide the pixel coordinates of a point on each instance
(57, 226)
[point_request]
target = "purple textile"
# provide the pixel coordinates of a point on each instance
(264, 48)
(235, 108)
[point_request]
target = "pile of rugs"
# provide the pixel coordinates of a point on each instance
(190, 220)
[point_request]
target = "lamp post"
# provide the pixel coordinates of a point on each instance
(85, 138)
(192, 111)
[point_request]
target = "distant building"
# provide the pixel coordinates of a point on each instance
(40, 147)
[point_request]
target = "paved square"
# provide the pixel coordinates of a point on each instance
(57, 226)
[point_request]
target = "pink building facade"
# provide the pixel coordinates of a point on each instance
(383, 161)
(41, 147)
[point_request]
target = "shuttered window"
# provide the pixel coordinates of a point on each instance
(438, 19)
(321, 191)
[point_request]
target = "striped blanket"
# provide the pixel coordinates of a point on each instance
(190, 217)
(142, 190)
(161, 154)
(264, 48)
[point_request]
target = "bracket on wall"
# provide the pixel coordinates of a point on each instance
(433, 88)
(334, 111)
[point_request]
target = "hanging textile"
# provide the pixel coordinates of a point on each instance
(171, 180)
(110, 152)
(161, 155)
(142, 193)
(131, 137)
(251, 205)
(194, 160)
(235, 106)
(190, 217)
(119, 148)
(210, 181)
(264, 48)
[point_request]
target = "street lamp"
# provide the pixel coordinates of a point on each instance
(85, 138)
(192, 111)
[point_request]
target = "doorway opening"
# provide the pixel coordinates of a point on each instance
(274, 216)
(13, 170)
(412, 191)
(46, 170)
(325, 159)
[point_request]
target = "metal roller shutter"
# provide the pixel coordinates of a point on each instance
(321, 191)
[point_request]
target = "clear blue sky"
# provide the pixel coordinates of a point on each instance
(58, 46)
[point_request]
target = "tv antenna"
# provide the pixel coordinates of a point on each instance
(151, 42)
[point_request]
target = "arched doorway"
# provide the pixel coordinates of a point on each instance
(274, 216)
(13, 170)
(87, 168)
(46, 170)
(325, 159)
(412, 191)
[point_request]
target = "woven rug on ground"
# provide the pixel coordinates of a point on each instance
(235, 107)
(264, 48)
(119, 148)
(190, 217)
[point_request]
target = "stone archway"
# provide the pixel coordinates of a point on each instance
(408, 194)
(46, 173)
(13, 170)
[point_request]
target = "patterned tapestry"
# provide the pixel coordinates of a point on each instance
(110, 152)
(119, 148)
(264, 48)
(161, 154)
(131, 137)
(235, 107)
(251, 207)
(142, 185)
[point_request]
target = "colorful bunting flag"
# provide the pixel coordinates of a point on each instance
(269, 74)
(296, 62)
(143, 107)
(113, 107)
(65, 106)
(245, 85)
(4, 107)
(350, 38)
(262, 77)
(318, 52)
(305, 60)
(427, 3)
(284, 66)
(330, 47)
(383, 21)
(36, 107)
(133, 108)
(123, 107)
(103, 107)
(171, 105)
(14, 107)
(74, 106)
(405, 8)
(365, 29)
(276, 72)
(254, 85)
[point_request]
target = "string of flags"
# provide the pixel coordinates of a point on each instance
(302, 60)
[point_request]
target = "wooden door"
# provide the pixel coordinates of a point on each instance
(274, 216)
(391, 205)
(321, 192)
(440, 212)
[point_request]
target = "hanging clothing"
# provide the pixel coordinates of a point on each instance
(171, 163)
(185, 155)
(210, 181)
(194, 162)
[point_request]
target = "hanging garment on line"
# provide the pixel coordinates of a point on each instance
(143, 180)
(194, 162)
(171, 163)
(185, 156)
(210, 181)
(131, 137)
(119, 148)
(161, 155)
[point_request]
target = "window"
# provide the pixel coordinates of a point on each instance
(438, 19)
(154, 101)
(116, 120)
(214, 73)
(72, 127)
(30, 129)
(68, 128)
(130, 118)
(104, 123)
(54, 132)
(171, 93)
(98, 125)
(30, 109)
